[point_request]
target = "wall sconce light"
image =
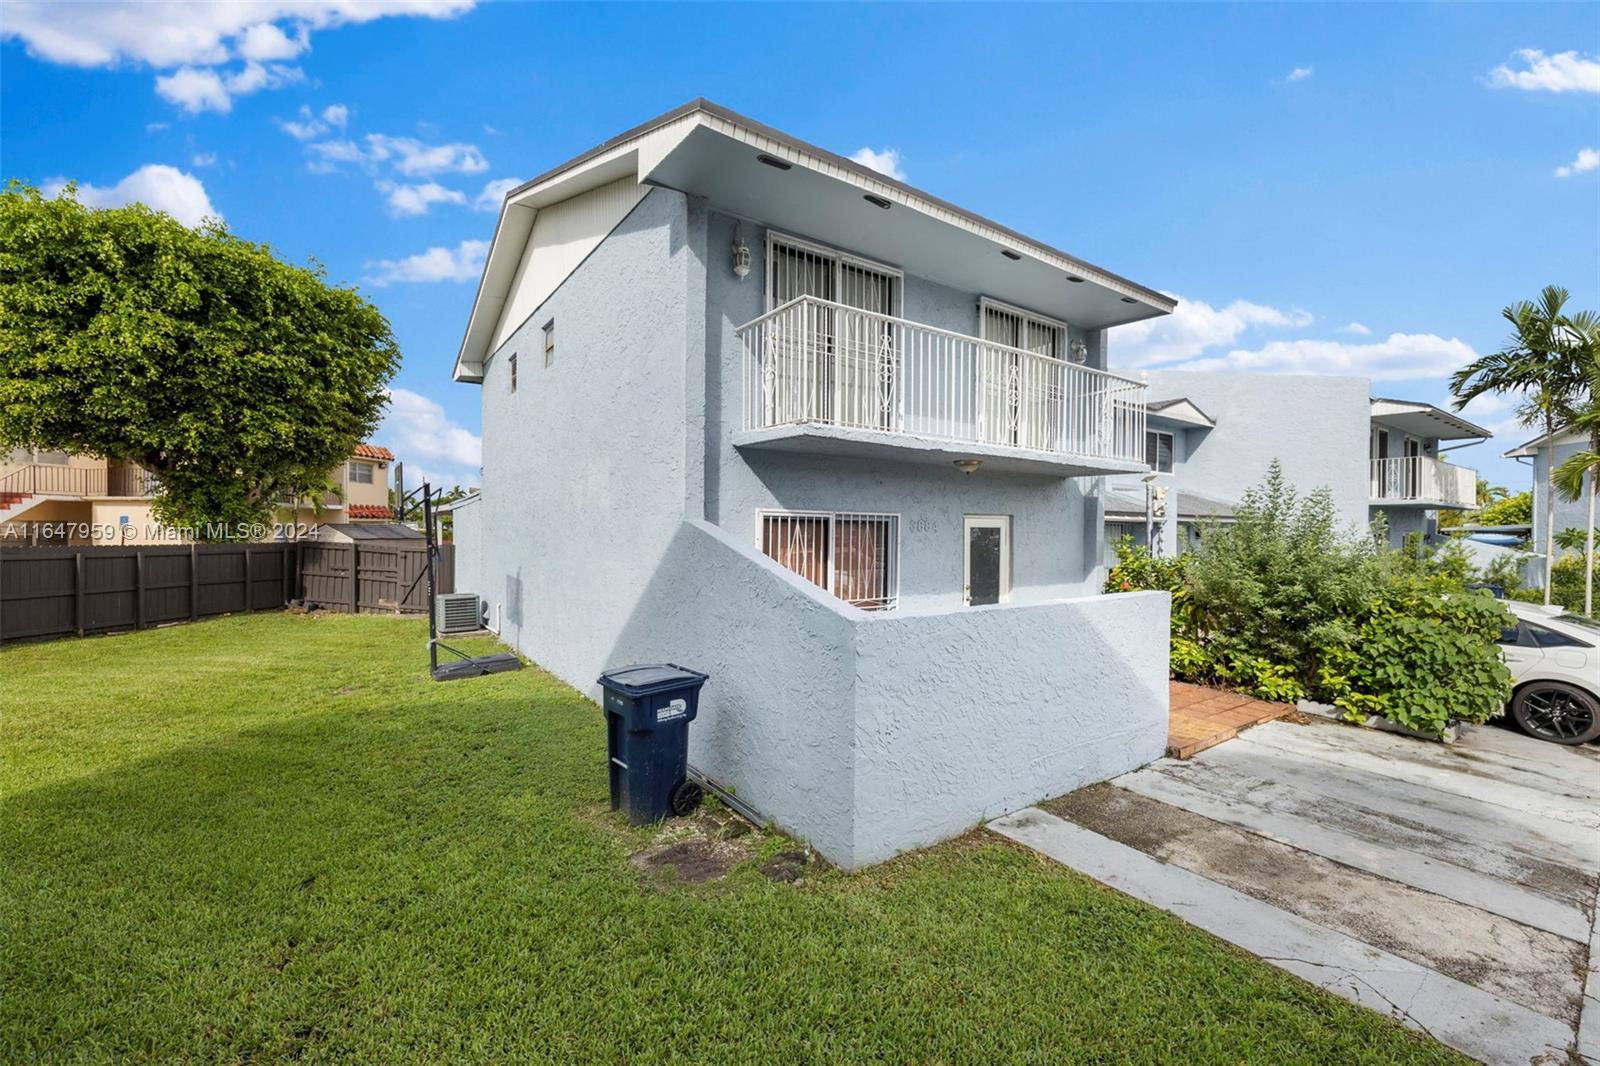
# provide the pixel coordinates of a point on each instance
(741, 255)
(967, 466)
(1080, 352)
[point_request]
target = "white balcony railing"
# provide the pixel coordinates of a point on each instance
(814, 361)
(1421, 479)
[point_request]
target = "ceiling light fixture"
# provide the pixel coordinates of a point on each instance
(967, 466)
(1129, 300)
(1009, 254)
(1075, 279)
(877, 201)
(771, 161)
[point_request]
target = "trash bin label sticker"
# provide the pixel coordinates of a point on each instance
(673, 710)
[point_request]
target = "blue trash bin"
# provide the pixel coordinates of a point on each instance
(648, 711)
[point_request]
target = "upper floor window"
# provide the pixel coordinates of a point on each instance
(1158, 451)
(360, 473)
(512, 363)
(550, 343)
(1016, 328)
(799, 268)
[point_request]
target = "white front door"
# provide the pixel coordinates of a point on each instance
(986, 559)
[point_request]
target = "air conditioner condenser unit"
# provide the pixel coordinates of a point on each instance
(458, 612)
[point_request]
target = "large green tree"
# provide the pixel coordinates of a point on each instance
(1542, 363)
(235, 377)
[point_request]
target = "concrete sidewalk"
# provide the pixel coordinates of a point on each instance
(1451, 887)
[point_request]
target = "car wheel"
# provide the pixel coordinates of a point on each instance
(1558, 713)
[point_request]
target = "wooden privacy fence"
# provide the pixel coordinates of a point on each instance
(62, 591)
(372, 576)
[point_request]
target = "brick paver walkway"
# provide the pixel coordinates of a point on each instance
(1199, 718)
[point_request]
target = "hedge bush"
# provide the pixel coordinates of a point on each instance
(1283, 605)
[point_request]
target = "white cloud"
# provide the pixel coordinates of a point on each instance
(463, 263)
(1401, 357)
(408, 201)
(1588, 159)
(309, 126)
(406, 155)
(1299, 74)
(1564, 72)
(1194, 327)
(494, 192)
(189, 36)
(1357, 328)
(412, 157)
(197, 89)
(422, 435)
(156, 127)
(265, 41)
(886, 161)
(204, 159)
(158, 186)
(177, 33)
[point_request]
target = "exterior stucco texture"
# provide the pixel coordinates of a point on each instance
(1316, 427)
(872, 733)
(617, 524)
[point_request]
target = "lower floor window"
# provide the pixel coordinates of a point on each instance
(854, 556)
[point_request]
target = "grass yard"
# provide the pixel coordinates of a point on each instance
(272, 836)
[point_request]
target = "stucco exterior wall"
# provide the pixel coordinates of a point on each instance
(873, 733)
(583, 465)
(1316, 427)
(466, 532)
(1056, 522)
(1570, 514)
(964, 715)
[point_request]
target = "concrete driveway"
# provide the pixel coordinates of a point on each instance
(1452, 887)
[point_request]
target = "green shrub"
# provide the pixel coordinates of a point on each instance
(1511, 511)
(1423, 661)
(1282, 605)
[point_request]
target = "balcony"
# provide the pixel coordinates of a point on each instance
(823, 377)
(49, 479)
(1421, 481)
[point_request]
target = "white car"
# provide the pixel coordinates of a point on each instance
(1555, 667)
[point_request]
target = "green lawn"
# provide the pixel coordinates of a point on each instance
(272, 836)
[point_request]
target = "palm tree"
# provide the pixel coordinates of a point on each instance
(1571, 475)
(1541, 364)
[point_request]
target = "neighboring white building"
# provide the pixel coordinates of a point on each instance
(755, 409)
(1212, 436)
(1537, 453)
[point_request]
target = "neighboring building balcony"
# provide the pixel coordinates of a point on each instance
(49, 479)
(131, 480)
(823, 377)
(1422, 481)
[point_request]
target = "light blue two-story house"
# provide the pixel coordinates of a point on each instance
(1212, 436)
(755, 409)
(1540, 454)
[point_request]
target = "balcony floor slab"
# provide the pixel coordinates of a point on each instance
(821, 439)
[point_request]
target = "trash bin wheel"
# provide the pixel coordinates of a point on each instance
(686, 797)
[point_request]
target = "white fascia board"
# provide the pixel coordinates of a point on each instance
(627, 158)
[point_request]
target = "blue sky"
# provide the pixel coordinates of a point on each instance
(1328, 189)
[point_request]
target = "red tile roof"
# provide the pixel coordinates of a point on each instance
(372, 451)
(370, 511)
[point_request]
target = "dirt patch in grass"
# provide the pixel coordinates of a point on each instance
(693, 861)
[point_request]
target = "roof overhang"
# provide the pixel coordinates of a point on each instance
(708, 151)
(1529, 449)
(1426, 420)
(1181, 411)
